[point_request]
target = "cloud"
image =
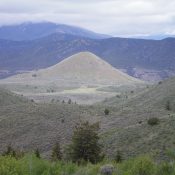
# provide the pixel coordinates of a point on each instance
(116, 17)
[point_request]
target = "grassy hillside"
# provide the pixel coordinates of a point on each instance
(153, 96)
(8, 98)
(131, 133)
(28, 126)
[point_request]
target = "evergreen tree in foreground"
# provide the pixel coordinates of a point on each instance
(37, 153)
(56, 153)
(85, 145)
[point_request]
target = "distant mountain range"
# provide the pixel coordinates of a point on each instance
(49, 44)
(30, 31)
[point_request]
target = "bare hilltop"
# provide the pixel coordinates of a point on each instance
(79, 77)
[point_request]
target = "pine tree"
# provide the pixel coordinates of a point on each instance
(10, 152)
(69, 101)
(37, 153)
(85, 145)
(56, 152)
(168, 105)
(106, 111)
(118, 157)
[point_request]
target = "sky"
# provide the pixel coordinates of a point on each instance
(114, 17)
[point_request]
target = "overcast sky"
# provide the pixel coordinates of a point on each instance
(115, 17)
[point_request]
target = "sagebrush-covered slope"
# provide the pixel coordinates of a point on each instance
(28, 126)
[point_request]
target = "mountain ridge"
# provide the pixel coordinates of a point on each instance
(144, 59)
(31, 31)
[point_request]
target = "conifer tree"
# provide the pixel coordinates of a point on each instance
(85, 143)
(168, 105)
(106, 111)
(10, 152)
(69, 101)
(56, 152)
(118, 157)
(37, 153)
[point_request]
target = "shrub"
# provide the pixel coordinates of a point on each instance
(53, 100)
(62, 120)
(31, 165)
(68, 169)
(165, 169)
(9, 166)
(106, 111)
(89, 169)
(140, 122)
(153, 121)
(142, 165)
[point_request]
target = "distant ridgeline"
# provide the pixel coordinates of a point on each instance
(34, 46)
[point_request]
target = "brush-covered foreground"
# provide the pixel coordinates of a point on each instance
(27, 125)
(31, 165)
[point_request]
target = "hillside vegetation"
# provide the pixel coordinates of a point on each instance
(31, 165)
(8, 98)
(134, 135)
(125, 128)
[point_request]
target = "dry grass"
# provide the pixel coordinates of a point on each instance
(28, 125)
